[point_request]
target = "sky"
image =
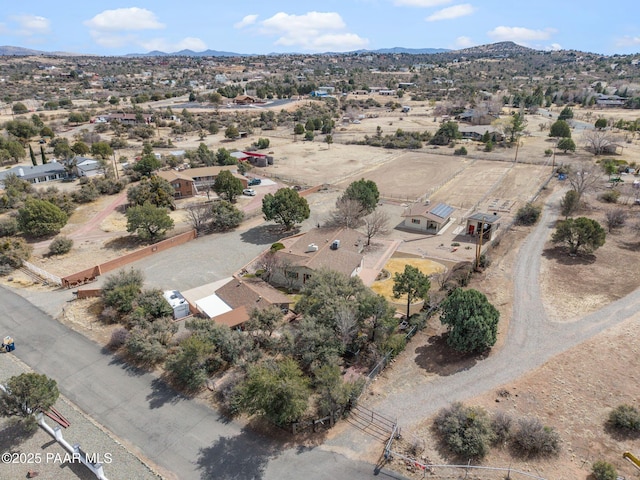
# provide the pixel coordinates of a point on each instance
(283, 26)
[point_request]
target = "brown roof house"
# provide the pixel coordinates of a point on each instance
(192, 181)
(338, 249)
(427, 218)
(230, 302)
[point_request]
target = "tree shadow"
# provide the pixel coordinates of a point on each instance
(560, 255)
(631, 246)
(266, 234)
(125, 242)
(13, 433)
(439, 358)
(121, 361)
(242, 457)
(162, 393)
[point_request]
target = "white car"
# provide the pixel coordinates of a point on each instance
(250, 192)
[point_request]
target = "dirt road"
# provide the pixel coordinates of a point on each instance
(532, 340)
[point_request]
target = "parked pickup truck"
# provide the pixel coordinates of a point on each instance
(254, 181)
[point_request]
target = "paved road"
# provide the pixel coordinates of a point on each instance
(180, 435)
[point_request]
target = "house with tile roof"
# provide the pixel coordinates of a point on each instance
(427, 218)
(230, 302)
(338, 249)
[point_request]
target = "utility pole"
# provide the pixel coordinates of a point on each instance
(479, 243)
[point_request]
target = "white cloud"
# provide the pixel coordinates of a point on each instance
(124, 19)
(554, 47)
(520, 34)
(246, 21)
(421, 3)
(452, 12)
(313, 31)
(464, 42)
(161, 44)
(627, 41)
(32, 24)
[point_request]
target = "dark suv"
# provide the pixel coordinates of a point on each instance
(254, 181)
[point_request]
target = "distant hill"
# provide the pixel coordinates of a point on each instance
(9, 51)
(500, 48)
(189, 53)
(410, 51)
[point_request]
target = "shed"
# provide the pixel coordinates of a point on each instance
(485, 222)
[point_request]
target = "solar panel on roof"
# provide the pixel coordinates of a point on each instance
(441, 210)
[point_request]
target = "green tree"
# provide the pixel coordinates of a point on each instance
(265, 320)
(147, 165)
(566, 114)
(227, 186)
(579, 234)
(20, 108)
(328, 139)
(447, 132)
(366, 192)
(517, 125)
(309, 136)
(28, 394)
(39, 218)
(148, 221)
(412, 283)
(285, 207)
(76, 117)
(101, 150)
(334, 393)
(560, 129)
(121, 289)
(298, 129)
(231, 132)
(566, 145)
(472, 321)
(13, 148)
(225, 216)
(155, 190)
(569, 203)
(37, 121)
(277, 390)
(23, 130)
(33, 156)
(601, 123)
(190, 365)
(80, 148)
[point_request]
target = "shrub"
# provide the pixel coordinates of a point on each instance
(8, 227)
(625, 418)
(603, 471)
(548, 152)
(460, 151)
(277, 246)
(528, 214)
(616, 218)
(610, 196)
(465, 430)
(532, 439)
(13, 250)
(118, 338)
(488, 147)
(60, 245)
(396, 343)
(501, 424)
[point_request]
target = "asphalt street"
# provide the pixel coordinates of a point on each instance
(181, 435)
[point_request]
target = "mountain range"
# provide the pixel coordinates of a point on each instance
(500, 48)
(8, 50)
